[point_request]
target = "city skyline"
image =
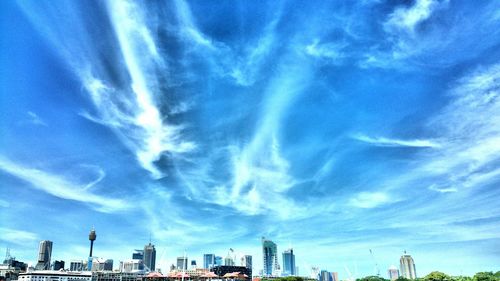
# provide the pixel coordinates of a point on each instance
(350, 131)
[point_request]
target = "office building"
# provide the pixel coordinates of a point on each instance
(150, 257)
(208, 261)
(393, 273)
(138, 255)
(58, 265)
(100, 264)
(76, 265)
(289, 263)
(324, 275)
(182, 263)
(246, 261)
(218, 261)
(132, 266)
(407, 266)
(44, 255)
(270, 257)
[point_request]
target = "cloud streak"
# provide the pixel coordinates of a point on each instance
(381, 141)
(61, 187)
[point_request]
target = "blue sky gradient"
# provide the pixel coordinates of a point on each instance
(332, 126)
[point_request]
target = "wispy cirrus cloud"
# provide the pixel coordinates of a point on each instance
(368, 200)
(125, 95)
(19, 237)
(36, 120)
(62, 187)
(382, 141)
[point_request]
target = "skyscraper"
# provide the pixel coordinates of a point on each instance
(270, 257)
(407, 266)
(149, 256)
(138, 255)
(393, 273)
(44, 254)
(182, 263)
(246, 261)
(289, 262)
(208, 261)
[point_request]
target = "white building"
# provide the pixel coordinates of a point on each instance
(51, 275)
(407, 266)
(393, 272)
(132, 266)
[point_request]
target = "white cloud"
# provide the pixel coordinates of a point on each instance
(16, 236)
(434, 187)
(331, 51)
(408, 19)
(36, 120)
(381, 141)
(368, 200)
(61, 187)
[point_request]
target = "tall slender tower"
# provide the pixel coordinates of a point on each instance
(92, 237)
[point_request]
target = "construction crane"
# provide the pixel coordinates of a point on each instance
(375, 262)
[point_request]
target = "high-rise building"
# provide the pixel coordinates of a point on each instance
(270, 257)
(138, 255)
(393, 272)
(208, 261)
(58, 265)
(44, 254)
(324, 275)
(76, 265)
(100, 264)
(407, 266)
(149, 257)
(246, 261)
(182, 263)
(289, 263)
(131, 266)
(218, 261)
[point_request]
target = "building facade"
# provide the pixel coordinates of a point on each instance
(44, 255)
(52, 275)
(270, 257)
(138, 255)
(182, 263)
(289, 263)
(246, 261)
(132, 266)
(218, 261)
(393, 273)
(58, 265)
(150, 257)
(76, 265)
(208, 261)
(407, 267)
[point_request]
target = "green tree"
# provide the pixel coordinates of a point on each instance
(437, 276)
(402, 278)
(372, 278)
(485, 276)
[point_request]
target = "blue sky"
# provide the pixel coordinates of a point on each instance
(332, 126)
